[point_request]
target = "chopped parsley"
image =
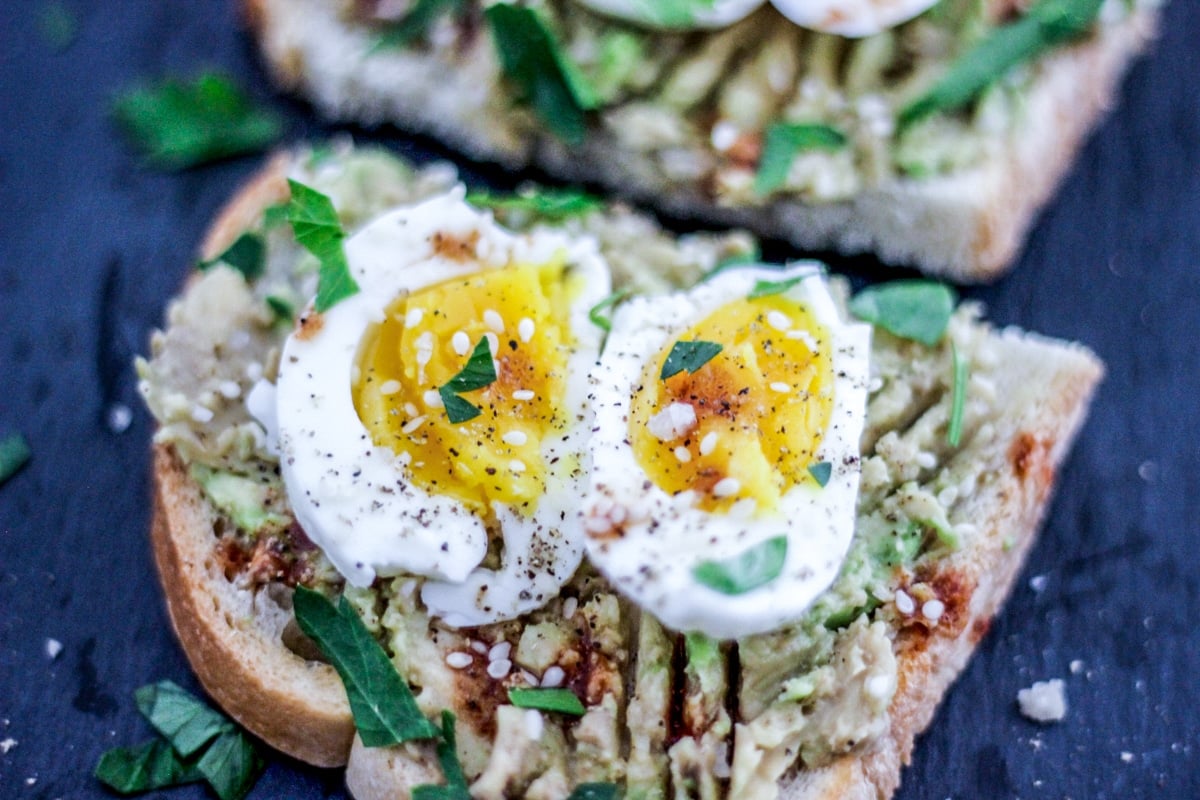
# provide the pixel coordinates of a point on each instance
(689, 357)
(150, 765)
(317, 228)
(178, 124)
(769, 288)
(548, 204)
(561, 701)
(478, 373)
(754, 567)
(601, 313)
(911, 309)
(14, 453)
(455, 787)
(821, 472)
(786, 140)
(283, 310)
(248, 255)
(959, 399)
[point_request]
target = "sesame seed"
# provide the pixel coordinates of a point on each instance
(523, 394)
(708, 443)
(389, 387)
(743, 508)
(411, 409)
(404, 458)
(515, 438)
(933, 610)
(904, 603)
(803, 336)
(533, 724)
(413, 424)
(460, 342)
(682, 454)
(201, 414)
(525, 329)
(878, 686)
(458, 660)
(727, 487)
(499, 668)
(516, 465)
(529, 678)
(230, 389)
(432, 398)
(724, 135)
(413, 318)
(493, 320)
(424, 346)
(500, 651)
(553, 677)
(480, 647)
(254, 371)
(570, 606)
(493, 342)
(779, 321)
(780, 386)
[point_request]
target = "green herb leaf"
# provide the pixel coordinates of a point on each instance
(231, 765)
(755, 567)
(595, 791)
(912, 309)
(317, 228)
(274, 216)
(733, 262)
(1043, 27)
(478, 373)
(14, 453)
(901, 547)
(821, 471)
(597, 313)
(769, 288)
(385, 711)
(248, 255)
(786, 140)
(150, 765)
(562, 701)
(182, 719)
(548, 204)
(178, 124)
(417, 22)
(533, 60)
(959, 400)
(689, 356)
(281, 308)
(447, 752)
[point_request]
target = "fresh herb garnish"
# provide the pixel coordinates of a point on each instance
(533, 60)
(283, 310)
(385, 711)
(911, 309)
(147, 766)
(959, 399)
(1044, 26)
(178, 124)
(455, 787)
(317, 228)
(821, 472)
(248, 255)
(14, 453)
(231, 765)
(769, 288)
(783, 142)
(478, 373)
(549, 204)
(562, 701)
(732, 262)
(179, 717)
(754, 567)
(599, 313)
(418, 21)
(274, 216)
(595, 791)
(689, 356)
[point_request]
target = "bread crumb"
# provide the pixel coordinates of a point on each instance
(53, 648)
(1127, 756)
(6, 745)
(1037, 583)
(1045, 701)
(1076, 667)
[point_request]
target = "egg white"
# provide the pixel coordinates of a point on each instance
(356, 500)
(850, 18)
(648, 542)
(686, 14)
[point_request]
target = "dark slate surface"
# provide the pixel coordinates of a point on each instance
(91, 247)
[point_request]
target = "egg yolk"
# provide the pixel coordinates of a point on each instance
(758, 408)
(428, 338)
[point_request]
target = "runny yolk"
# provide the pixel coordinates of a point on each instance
(427, 339)
(761, 406)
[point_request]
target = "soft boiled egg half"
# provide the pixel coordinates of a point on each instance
(725, 458)
(851, 18)
(435, 423)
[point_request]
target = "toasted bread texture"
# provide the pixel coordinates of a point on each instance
(1024, 409)
(967, 223)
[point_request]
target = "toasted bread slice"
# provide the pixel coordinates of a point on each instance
(1028, 397)
(966, 222)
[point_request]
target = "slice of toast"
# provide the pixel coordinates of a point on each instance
(913, 626)
(960, 208)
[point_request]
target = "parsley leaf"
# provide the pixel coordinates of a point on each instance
(911, 309)
(179, 717)
(447, 753)
(562, 701)
(786, 140)
(548, 204)
(1047, 24)
(769, 288)
(385, 711)
(597, 313)
(595, 791)
(959, 401)
(149, 765)
(231, 765)
(14, 452)
(478, 373)
(754, 567)
(248, 255)
(418, 21)
(689, 356)
(821, 471)
(533, 60)
(317, 228)
(283, 310)
(179, 124)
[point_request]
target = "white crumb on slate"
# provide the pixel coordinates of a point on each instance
(53, 648)
(1037, 583)
(1127, 756)
(1076, 667)
(1045, 701)
(6, 745)
(119, 417)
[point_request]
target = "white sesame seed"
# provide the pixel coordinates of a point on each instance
(904, 603)
(672, 422)
(744, 508)
(413, 318)
(424, 347)
(404, 458)
(682, 454)
(499, 668)
(708, 443)
(780, 386)
(570, 606)
(516, 465)
(553, 677)
(878, 686)
(411, 410)
(493, 342)
(201, 414)
(529, 678)
(779, 321)
(433, 398)
(412, 425)
(523, 394)
(460, 342)
(525, 329)
(480, 647)
(500, 651)
(515, 438)
(230, 389)
(932, 610)
(727, 487)
(724, 135)
(493, 320)
(254, 371)
(534, 724)
(389, 387)
(803, 336)
(458, 660)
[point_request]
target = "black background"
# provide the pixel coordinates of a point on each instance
(92, 246)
